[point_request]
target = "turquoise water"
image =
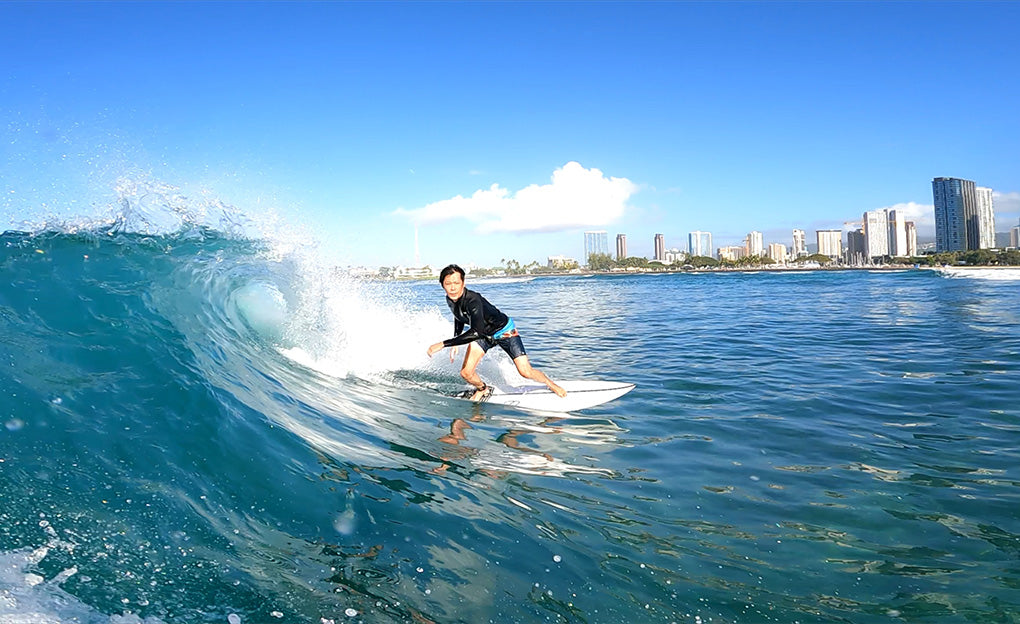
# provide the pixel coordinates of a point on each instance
(200, 429)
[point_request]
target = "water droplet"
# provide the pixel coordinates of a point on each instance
(234, 618)
(557, 558)
(350, 612)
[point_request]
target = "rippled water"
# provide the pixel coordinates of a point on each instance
(203, 430)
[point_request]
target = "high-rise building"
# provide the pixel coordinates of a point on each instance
(955, 214)
(985, 218)
(897, 233)
(621, 246)
(1014, 236)
(876, 234)
(856, 250)
(799, 244)
(777, 251)
(911, 239)
(830, 242)
(700, 244)
(660, 248)
(595, 243)
(754, 244)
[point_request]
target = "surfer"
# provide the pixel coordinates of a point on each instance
(487, 327)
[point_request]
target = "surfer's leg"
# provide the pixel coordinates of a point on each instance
(527, 371)
(467, 370)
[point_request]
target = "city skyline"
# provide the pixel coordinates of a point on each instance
(964, 218)
(362, 128)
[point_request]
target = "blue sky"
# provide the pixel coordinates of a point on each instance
(505, 130)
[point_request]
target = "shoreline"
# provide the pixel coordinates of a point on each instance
(783, 269)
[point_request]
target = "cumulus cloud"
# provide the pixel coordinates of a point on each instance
(923, 216)
(575, 198)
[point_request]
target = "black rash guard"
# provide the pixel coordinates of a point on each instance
(483, 318)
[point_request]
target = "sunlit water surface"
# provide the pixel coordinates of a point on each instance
(198, 429)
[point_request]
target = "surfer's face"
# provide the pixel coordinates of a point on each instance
(453, 285)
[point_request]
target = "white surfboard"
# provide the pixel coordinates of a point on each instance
(581, 394)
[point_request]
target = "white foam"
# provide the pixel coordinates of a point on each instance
(26, 597)
(994, 274)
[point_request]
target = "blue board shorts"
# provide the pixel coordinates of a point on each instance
(508, 339)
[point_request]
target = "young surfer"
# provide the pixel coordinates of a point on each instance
(487, 327)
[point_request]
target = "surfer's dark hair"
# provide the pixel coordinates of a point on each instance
(449, 270)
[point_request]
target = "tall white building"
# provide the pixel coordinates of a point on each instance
(754, 244)
(595, 243)
(985, 217)
(777, 251)
(897, 233)
(911, 239)
(700, 243)
(799, 244)
(660, 247)
(876, 234)
(830, 242)
(1014, 236)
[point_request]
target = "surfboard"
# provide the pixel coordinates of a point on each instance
(581, 394)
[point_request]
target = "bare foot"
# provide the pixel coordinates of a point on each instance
(481, 395)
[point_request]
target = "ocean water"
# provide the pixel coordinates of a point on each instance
(197, 427)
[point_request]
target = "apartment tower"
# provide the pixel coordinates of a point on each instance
(985, 217)
(799, 244)
(621, 246)
(595, 243)
(830, 242)
(700, 244)
(955, 208)
(660, 248)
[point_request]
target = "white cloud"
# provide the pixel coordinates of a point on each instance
(575, 198)
(923, 216)
(1007, 211)
(1007, 208)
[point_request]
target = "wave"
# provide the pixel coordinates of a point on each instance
(981, 273)
(173, 380)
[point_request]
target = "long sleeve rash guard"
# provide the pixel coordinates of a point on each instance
(483, 318)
